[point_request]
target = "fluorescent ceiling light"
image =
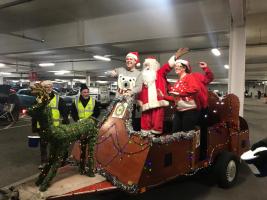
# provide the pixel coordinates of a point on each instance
(102, 58)
(102, 81)
(46, 64)
(60, 71)
(5, 73)
(24, 80)
(226, 66)
(82, 80)
(2, 65)
(216, 52)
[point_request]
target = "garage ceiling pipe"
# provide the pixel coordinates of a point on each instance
(27, 37)
(13, 3)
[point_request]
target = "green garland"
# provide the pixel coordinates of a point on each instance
(59, 138)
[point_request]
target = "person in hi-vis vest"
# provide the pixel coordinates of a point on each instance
(84, 106)
(59, 111)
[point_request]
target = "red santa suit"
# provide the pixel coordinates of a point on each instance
(153, 105)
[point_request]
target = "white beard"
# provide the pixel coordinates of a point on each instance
(149, 76)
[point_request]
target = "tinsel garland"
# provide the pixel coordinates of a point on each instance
(128, 123)
(166, 139)
(128, 188)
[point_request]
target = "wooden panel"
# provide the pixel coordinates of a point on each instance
(218, 140)
(119, 154)
(155, 170)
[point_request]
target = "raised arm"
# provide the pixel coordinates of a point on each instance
(209, 76)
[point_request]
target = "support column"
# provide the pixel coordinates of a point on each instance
(237, 53)
(1, 80)
(88, 80)
(71, 83)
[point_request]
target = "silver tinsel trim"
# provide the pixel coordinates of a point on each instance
(128, 188)
(128, 123)
(173, 137)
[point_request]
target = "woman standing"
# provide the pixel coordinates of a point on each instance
(184, 95)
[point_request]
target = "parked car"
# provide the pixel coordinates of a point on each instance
(26, 98)
(70, 96)
(101, 94)
(9, 104)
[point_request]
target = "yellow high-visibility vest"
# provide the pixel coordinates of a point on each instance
(87, 111)
(53, 104)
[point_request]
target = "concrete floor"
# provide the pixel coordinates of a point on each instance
(17, 161)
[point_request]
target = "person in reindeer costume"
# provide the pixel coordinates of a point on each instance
(152, 105)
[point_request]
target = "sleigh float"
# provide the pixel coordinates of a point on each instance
(134, 162)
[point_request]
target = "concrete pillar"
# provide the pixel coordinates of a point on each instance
(71, 83)
(1, 80)
(88, 80)
(237, 53)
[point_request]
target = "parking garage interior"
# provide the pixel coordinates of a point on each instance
(61, 41)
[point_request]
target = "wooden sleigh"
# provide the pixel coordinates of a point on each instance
(132, 161)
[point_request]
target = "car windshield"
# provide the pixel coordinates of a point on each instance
(25, 92)
(72, 93)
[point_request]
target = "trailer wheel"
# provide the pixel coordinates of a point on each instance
(226, 169)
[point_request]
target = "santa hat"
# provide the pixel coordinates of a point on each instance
(184, 63)
(152, 61)
(83, 87)
(135, 56)
(46, 82)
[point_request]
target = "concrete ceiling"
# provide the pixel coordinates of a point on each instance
(75, 30)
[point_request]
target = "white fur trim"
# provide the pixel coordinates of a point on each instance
(152, 93)
(138, 64)
(156, 132)
(185, 62)
(153, 63)
(172, 61)
(183, 105)
(156, 104)
(131, 55)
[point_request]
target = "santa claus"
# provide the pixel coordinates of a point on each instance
(153, 105)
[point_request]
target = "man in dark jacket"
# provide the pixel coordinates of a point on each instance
(59, 111)
(84, 106)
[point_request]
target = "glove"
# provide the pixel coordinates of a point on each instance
(172, 61)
